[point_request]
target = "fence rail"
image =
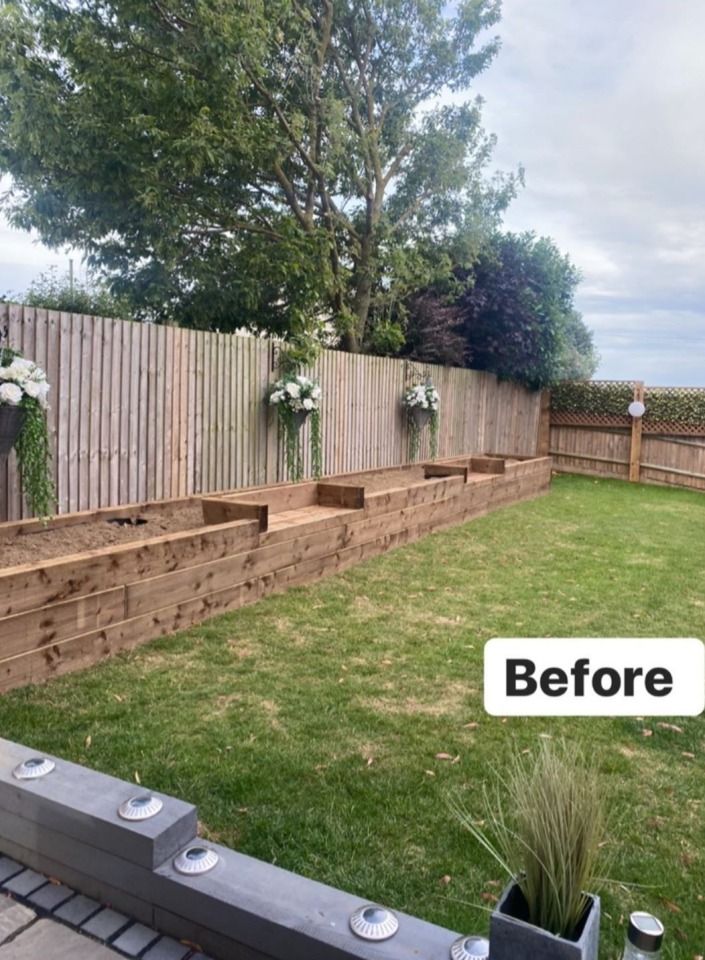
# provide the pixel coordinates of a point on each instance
(142, 412)
(607, 443)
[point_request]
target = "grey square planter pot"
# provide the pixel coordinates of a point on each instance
(512, 937)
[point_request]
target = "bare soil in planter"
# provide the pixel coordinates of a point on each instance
(62, 541)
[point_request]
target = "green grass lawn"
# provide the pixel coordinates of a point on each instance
(307, 727)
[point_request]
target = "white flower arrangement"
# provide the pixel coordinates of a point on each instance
(22, 378)
(24, 399)
(422, 399)
(299, 393)
(423, 396)
(298, 398)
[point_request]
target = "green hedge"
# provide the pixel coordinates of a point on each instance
(610, 399)
(663, 404)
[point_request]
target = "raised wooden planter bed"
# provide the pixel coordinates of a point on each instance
(64, 613)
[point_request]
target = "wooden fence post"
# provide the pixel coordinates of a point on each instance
(635, 451)
(543, 439)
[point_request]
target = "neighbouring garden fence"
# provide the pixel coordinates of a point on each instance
(141, 412)
(593, 433)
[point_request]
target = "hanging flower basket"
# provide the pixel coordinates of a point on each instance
(24, 393)
(299, 418)
(420, 416)
(11, 420)
(297, 398)
(421, 403)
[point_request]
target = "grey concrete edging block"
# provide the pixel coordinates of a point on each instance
(101, 890)
(243, 907)
(283, 914)
(83, 804)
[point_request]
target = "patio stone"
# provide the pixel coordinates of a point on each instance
(13, 916)
(8, 868)
(167, 949)
(105, 924)
(25, 883)
(77, 910)
(50, 896)
(49, 939)
(134, 940)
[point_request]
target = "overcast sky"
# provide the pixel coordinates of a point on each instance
(604, 104)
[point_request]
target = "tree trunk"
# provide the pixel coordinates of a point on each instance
(354, 338)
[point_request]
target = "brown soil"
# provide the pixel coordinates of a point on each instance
(62, 541)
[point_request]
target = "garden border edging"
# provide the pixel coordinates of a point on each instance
(65, 825)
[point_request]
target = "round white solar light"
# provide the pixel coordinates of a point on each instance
(33, 768)
(195, 860)
(636, 409)
(141, 807)
(470, 948)
(373, 923)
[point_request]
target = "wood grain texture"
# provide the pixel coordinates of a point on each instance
(95, 605)
(141, 412)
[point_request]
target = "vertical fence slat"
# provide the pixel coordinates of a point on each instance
(141, 412)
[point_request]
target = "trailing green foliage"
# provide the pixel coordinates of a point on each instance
(297, 399)
(34, 460)
(422, 402)
(678, 405)
(23, 385)
(545, 823)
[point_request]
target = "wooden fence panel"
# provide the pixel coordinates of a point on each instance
(605, 452)
(141, 412)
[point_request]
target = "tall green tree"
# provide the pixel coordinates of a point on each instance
(512, 313)
(264, 163)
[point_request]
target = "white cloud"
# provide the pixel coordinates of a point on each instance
(602, 102)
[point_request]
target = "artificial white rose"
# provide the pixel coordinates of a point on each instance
(294, 390)
(33, 389)
(11, 394)
(308, 404)
(20, 369)
(316, 392)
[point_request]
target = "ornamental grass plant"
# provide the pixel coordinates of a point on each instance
(544, 823)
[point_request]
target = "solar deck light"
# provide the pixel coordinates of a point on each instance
(33, 768)
(636, 409)
(470, 948)
(195, 860)
(142, 807)
(373, 923)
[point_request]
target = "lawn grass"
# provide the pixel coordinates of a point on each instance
(306, 727)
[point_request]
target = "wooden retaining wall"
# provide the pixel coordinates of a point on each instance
(144, 412)
(64, 614)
